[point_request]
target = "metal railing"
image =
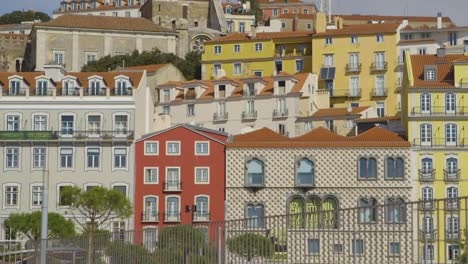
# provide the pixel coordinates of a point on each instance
(172, 186)
(249, 115)
(64, 135)
(426, 175)
(149, 217)
(353, 67)
(280, 113)
(355, 92)
(438, 111)
(220, 116)
(379, 66)
(172, 217)
(201, 217)
(452, 175)
(438, 143)
(379, 92)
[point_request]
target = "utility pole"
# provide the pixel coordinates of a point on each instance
(45, 215)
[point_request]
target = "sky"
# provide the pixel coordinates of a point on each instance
(456, 9)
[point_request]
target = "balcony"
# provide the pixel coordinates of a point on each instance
(28, 135)
(249, 115)
(283, 113)
(438, 111)
(220, 117)
(426, 175)
(438, 143)
(172, 186)
(379, 92)
(122, 92)
(463, 83)
(347, 93)
(452, 204)
(149, 217)
(353, 67)
(452, 175)
(429, 235)
(201, 217)
(452, 235)
(44, 92)
(426, 205)
(15, 92)
(94, 92)
(379, 66)
(96, 135)
(172, 217)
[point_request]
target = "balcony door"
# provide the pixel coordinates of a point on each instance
(354, 86)
(450, 103)
(451, 134)
(426, 134)
(425, 103)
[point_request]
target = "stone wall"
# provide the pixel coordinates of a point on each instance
(12, 52)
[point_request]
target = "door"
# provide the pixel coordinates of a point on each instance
(380, 60)
(172, 179)
(451, 134)
(380, 85)
(426, 134)
(354, 86)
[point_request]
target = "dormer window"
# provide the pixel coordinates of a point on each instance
(95, 88)
(222, 91)
(430, 72)
(250, 91)
(118, 3)
(281, 87)
(190, 94)
(93, 4)
(14, 87)
(131, 2)
(122, 89)
(41, 89)
(69, 88)
(228, 10)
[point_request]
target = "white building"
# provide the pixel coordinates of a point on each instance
(122, 8)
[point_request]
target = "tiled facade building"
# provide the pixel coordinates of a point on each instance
(122, 8)
(268, 174)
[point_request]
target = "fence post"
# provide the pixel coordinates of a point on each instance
(219, 245)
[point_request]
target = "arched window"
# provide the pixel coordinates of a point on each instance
(450, 102)
(367, 210)
(427, 197)
(203, 209)
(305, 175)
(451, 169)
(367, 168)
(425, 102)
(255, 173)
(453, 227)
(395, 168)
(228, 10)
(313, 210)
(255, 215)
(428, 225)
(395, 209)
(330, 212)
(151, 209)
(451, 134)
(426, 165)
(296, 211)
(426, 134)
(173, 209)
(452, 198)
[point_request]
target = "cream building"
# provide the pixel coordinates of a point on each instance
(123, 8)
(241, 105)
(73, 41)
(309, 178)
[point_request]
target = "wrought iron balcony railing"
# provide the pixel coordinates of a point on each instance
(353, 67)
(452, 175)
(220, 116)
(280, 113)
(249, 115)
(150, 217)
(426, 175)
(201, 217)
(29, 135)
(379, 92)
(65, 135)
(438, 111)
(438, 143)
(352, 92)
(172, 217)
(172, 186)
(379, 66)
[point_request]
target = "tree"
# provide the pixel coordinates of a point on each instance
(99, 206)
(190, 66)
(251, 245)
(29, 224)
(16, 17)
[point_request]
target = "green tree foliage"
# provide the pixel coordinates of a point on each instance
(190, 66)
(16, 17)
(255, 10)
(251, 245)
(122, 252)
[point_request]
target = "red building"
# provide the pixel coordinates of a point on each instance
(180, 177)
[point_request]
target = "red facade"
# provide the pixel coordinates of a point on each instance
(180, 177)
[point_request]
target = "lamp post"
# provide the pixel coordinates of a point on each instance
(44, 219)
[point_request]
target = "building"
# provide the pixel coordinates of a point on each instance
(357, 65)
(239, 105)
(180, 177)
(275, 8)
(73, 41)
(23, 28)
(122, 8)
(434, 96)
(297, 185)
(13, 49)
(295, 22)
(415, 21)
(240, 55)
(74, 128)
(239, 17)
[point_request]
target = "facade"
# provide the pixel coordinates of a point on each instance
(296, 22)
(73, 128)
(434, 96)
(257, 54)
(122, 8)
(357, 65)
(415, 21)
(180, 177)
(239, 17)
(271, 175)
(73, 41)
(12, 52)
(275, 8)
(240, 105)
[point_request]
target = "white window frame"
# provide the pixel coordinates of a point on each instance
(88, 55)
(201, 154)
(31, 196)
(33, 116)
(18, 195)
(97, 133)
(234, 71)
(121, 184)
(157, 204)
(328, 40)
(6, 168)
(173, 154)
(380, 38)
(258, 47)
(114, 125)
(208, 204)
(151, 142)
(179, 206)
(20, 120)
(100, 158)
(58, 53)
(91, 184)
(59, 159)
(195, 175)
(46, 161)
(217, 49)
(74, 123)
(113, 158)
(144, 175)
(236, 48)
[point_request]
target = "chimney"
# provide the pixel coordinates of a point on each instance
(329, 11)
(405, 22)
(439, 20)
(441, 52)
(54, 71)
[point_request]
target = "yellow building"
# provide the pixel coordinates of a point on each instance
(434, 97)
(260, 54)
(358, 64)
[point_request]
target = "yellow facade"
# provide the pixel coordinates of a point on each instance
(284, 51)
(363, 70)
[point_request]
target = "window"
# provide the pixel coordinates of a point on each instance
(151, 148)
(367, 210)
(425, 101)
(184, 11)
(236, 48)
(258, 47)
(305, 11)
(453, 38)
(328, 40)
(379, 60)
(394, 248)
(394, 168)
(275, 12)
(430, 74)
(453, 227)
(217, 49)
(121, 124)
(228, 10)
(202, 206)
(93, 157)
(380, 38)
(285, 11)
(237, 68)
(190, 110)
(452, 198)
(242, 27)
(150, 238)
(255, 172)
(122, 88)
(283, 25)
(151, 175)
(172, 179)
(354, 89)
(59, 57)
(451, 134)
(95, 88)
(349, 123)
(305, 173)
(425, 35)
(354, 39)
(116, 14)
(173, 208)
(14, 88)
(453, 252)
(40, 123)
(427, 196)
(451, 165)
(172, 148)
(13, 122)
(128, 14)
(166, 110)
(90, 57)
(39, 157)
(120, 158)
(118, 230)
(63, 198)
(151, 209)
(422, 51)
(94, 125)
(255, 215)
(202, 148)
(395, 210)
(450, 102)
(67, 124)
(66, 157)
(308, 125)
(328, 60)
(357, 247)
(313, 246)
(299, 65)
(36, 195)
(309, 26)
(11, 195)
(12, 157)
(367, 168)
(428, 250)
(121, 188)
(202, 175)
(41, 88)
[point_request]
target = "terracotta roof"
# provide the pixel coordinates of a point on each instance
(319, 137)
(212, 134)
(377, 119)
(445, 75)
(148, 68)
(416, 41)
(28, 77)
(394, 18)
(423, 28)
(104, 22)
(362, 29)
(331, 112)
(260, 36)
(292, 15)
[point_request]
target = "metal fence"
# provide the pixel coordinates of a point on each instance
(431, 231)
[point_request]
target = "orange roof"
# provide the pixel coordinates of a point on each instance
(104, 22)
(445, 74)
(362, 29)
(394, 18)
(416, 41)
(319, 137)
(234, 37)
(377, 119)
(148, 68)
(331, 112)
